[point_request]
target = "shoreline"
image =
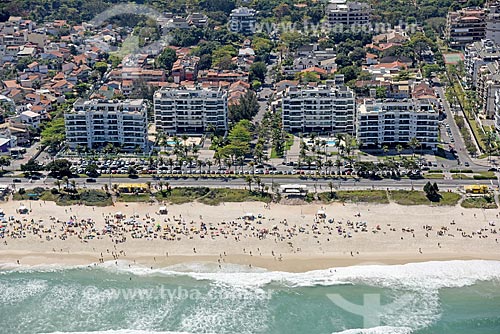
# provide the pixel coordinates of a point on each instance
(296, 239)
(291, 264)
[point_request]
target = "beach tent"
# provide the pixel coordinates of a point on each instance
(163, 210)
(248, 216)
(321, 214)
(22, 209)
(118, 215)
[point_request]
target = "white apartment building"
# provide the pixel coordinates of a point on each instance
(478, 54)
(95, 123)
(324, 109)
(497, 110)
(348, 13)
(391, 122)
(242, 20)
(190, 110)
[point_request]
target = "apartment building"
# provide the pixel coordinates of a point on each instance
(95, 123)
(348, 13)
(497, 110)
(492, 29)
(391, 122)
(242, 20)
(192, 110)
(488, 83)
(478, 54)
(324, 109)
(465, 26)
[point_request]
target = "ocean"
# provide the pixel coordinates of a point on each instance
(452, 297)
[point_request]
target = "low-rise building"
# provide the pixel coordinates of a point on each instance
(323, 109)
(95, 123)
(192, 110)
(391, 122)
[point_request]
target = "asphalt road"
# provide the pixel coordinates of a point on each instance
(348, 183)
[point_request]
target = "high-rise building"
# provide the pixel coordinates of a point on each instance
(391, 122)
(324, 109)
(190, 110)
(242, 20)
(95, 123)
(465, 26)
(348, 13)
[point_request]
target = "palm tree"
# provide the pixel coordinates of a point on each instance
(170, 162)
(399, 149)
(414, 143)
(330, 185)
(338, 164)
(329, 165)
(199, 163)
(148, 184)
(57, 183)
(65, 179)
(249, 181)
(490, 138)
(209, 164)
(160, 185)
(259, 182)
(106, 188)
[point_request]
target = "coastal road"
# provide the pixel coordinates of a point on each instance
(313, 184)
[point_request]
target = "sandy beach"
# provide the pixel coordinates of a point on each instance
(285, 237)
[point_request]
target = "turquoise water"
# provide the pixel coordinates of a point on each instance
(436, 297)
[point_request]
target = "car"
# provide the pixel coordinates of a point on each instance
(493, 169)
(91, 180)
(466, 164)
(17, 181)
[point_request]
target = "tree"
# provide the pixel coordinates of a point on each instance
(31, 166)
(258, 71)
(432, 191)
(101, 67)
(91, 170)
(414, 143)
(59, 168)
(132, 171)
(166, 59)
(4, 162)
(249, 181)
(246, 108)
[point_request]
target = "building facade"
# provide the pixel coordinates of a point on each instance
(190, 110)
(95, 123)
(476, 55)
(497, 110)
(242, 20)
(465, 26)
(348, 13)
(324, 109)
(493, 22)
(391, 122)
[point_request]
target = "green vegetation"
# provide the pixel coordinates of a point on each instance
(434, 176)
(483, 202)
(409, 197)
(133, 198)
(485, 176)
(88, 197)
(182, 195)
(356, 196)
(219, 195)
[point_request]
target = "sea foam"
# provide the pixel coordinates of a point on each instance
(422, 275)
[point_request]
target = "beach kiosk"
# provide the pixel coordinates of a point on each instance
(163, 210)
(22, 210)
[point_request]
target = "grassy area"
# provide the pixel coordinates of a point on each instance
(355, 196)
(90, 197)
(485, 176)
(485, 202)
(460, 176)
(413, 197)
(434, 176)
(133, 198)
(288, 142)
(217, 196)
(182, 195)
